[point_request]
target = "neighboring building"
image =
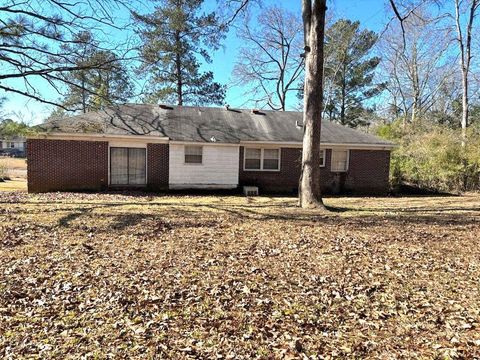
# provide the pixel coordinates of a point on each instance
(173, 147)
(15, 146)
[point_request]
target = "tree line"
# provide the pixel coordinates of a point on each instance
(415, 69)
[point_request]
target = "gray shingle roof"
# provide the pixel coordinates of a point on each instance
(199, 124)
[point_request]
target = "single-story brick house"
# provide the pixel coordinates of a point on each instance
(161, 147)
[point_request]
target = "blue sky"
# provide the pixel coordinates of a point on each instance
(372, 14)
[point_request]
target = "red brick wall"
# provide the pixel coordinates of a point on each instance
(63, 165)
(285, 180)
(368, 171)
(158, 168)
(367, 174)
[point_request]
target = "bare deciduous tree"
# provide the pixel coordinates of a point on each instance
(464, 30)
(313, 13)
(33, 35)
(416, 65)
(270, 64)
(464, 40)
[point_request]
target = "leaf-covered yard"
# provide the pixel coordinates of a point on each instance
(138, 276)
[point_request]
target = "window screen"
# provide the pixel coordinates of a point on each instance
(339, 160)
(271, 159)
(253, 158)
(127, 166)
(193, 154)
(322, 158)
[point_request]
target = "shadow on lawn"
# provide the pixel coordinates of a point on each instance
(366, 217)
(65, 221)
(198, 214)
(160, 221)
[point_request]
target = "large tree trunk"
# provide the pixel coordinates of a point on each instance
(178, 64)
(178, 70)
(314, 27)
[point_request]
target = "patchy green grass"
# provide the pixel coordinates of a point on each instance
(141, 276)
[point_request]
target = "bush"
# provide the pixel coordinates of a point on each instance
(3, 172)
(433, 158)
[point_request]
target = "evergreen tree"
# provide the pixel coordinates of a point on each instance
(103, 80)
(174, 38)
(11, 129)
(349, 72)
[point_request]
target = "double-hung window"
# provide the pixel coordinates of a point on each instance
(262, 159)
(322, 157)
(128, 166)
(193, 154)
(340, 160)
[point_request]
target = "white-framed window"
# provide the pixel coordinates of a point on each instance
(340, 160)
(253, 159)
(193, 154)
(263, 159)
(322, 157)
(10, 144)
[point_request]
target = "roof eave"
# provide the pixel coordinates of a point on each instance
(95, 136)
(385, 146)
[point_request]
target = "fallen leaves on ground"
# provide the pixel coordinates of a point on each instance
(138, 276)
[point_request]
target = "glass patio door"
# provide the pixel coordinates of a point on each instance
(128, 166)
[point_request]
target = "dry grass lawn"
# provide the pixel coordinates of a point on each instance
(139, 277)
(13, 185)
(15, 167)
(14, 163)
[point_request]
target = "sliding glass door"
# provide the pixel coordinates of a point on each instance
(128, 166)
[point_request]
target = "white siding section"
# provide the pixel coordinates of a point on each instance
(219, 168)
(7, 144)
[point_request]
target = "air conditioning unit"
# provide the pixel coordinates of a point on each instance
(250, 190)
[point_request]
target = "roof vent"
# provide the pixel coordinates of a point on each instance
(257, 112)
(298, 124)
(166, 107)
(213, 139)
(227, 107)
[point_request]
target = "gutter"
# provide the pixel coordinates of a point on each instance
(298, 144)
(98, 137)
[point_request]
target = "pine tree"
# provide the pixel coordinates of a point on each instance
(174, 37)
(103, 81)
(349, 71)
